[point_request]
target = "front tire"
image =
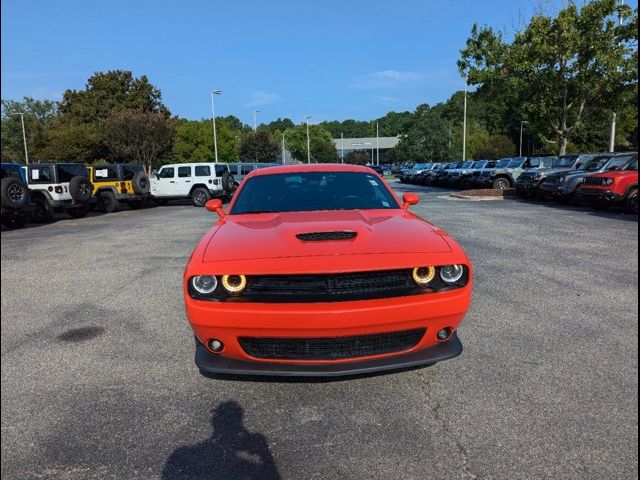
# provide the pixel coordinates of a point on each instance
(631, 203)
(200, 196)
(501, 184)
(108, 202)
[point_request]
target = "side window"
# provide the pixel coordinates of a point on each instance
(534, 162)
(220, 169)
(166, 172)
(67, 171)
(184, 172)
(105, 173)
(246, 169)
(202, 171)
(42, 174)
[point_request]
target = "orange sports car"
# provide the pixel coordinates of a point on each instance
(319, 270)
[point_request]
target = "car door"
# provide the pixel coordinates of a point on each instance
(164, 183)
(184, 180)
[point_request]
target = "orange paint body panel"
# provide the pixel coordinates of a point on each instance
(266, 244)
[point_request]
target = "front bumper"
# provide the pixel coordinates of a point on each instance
(599, 195)
(209, 362)
(527, 187)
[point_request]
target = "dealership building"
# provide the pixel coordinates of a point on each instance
(368, 146)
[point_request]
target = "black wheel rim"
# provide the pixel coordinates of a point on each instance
(15, 192)
(201, 198)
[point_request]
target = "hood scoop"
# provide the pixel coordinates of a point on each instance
(326, 236)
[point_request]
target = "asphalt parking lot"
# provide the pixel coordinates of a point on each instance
(98, 379)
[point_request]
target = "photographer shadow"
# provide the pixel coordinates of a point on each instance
(232, 452)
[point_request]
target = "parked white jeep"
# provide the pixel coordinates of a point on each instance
(59, 187)
(198, 181)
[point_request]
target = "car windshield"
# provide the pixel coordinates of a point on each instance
(466, 165)
(594, 164)
(632, 166)
(566, 161)
(313, 191)
(479, 164)
(504, 163)
(516, 163)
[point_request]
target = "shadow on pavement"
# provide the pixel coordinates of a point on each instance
(231, 452)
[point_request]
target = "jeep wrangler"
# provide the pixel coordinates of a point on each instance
(617, 187)
(118, 183)
(197, 181)
(14, 195)
(57, 187)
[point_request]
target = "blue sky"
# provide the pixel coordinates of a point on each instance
(330, 59)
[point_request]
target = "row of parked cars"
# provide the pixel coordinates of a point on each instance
(597, 179)
(36, 192)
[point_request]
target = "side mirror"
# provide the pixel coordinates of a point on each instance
(215, 205)
(409, 199)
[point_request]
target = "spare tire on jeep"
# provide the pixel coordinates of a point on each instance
(228, 183)
(80, 189)
(140, 183)
(13, 193)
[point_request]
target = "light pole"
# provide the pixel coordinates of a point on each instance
(213, 121)
(464, 122)
(308, 141)
(255, 125)
(614, 115)
(342, 147)
(283, 150)
(522, 123)
(377, 144)
(24, 139)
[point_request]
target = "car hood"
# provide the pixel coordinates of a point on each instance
(273, 235)
(617, 174)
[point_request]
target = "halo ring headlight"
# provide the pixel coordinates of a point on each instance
(424, 275)
(451, 273)
(234, 283)
(204, 284)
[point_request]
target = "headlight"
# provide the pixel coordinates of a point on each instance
(234, 283)
(608, 181)
(204, 284)
(424, 275)
(451, 273)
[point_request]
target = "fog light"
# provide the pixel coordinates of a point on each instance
(234, 283)
(444, 334)
(215, 345)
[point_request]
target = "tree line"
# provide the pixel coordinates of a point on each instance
(558, 80)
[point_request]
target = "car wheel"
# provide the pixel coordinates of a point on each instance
(200, 196)
(631, 204)
(107, 201)
(79, 212)
(80, 189)
(43, 212)
(501, 184)
(13, 192)
(15, 221)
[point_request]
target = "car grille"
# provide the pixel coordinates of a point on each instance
(325, 236)
(337, 348)
(597, 181)
(526, 177)
(330, 287)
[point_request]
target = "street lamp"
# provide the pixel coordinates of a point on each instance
(522, 123)
(255, 125)
(308, 141)
(24, 139)
(213, 121)
(464, 122)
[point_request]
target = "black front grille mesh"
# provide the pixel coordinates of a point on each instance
(325, 236)
(597, 181)
(330, 348)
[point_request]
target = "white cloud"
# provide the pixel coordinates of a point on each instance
(260, 98)
(388, 79)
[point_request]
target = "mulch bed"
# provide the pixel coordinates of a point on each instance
(488, 192)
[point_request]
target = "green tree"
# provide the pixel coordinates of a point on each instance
(194, 141)
(357, 157)
(323, 149)
(562, 68)
(39, 117)
(258, 147)
(493, 147)
(139, 137)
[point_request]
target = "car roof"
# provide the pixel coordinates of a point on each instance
(317, 167)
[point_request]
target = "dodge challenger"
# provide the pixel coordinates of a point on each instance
(319, 270)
